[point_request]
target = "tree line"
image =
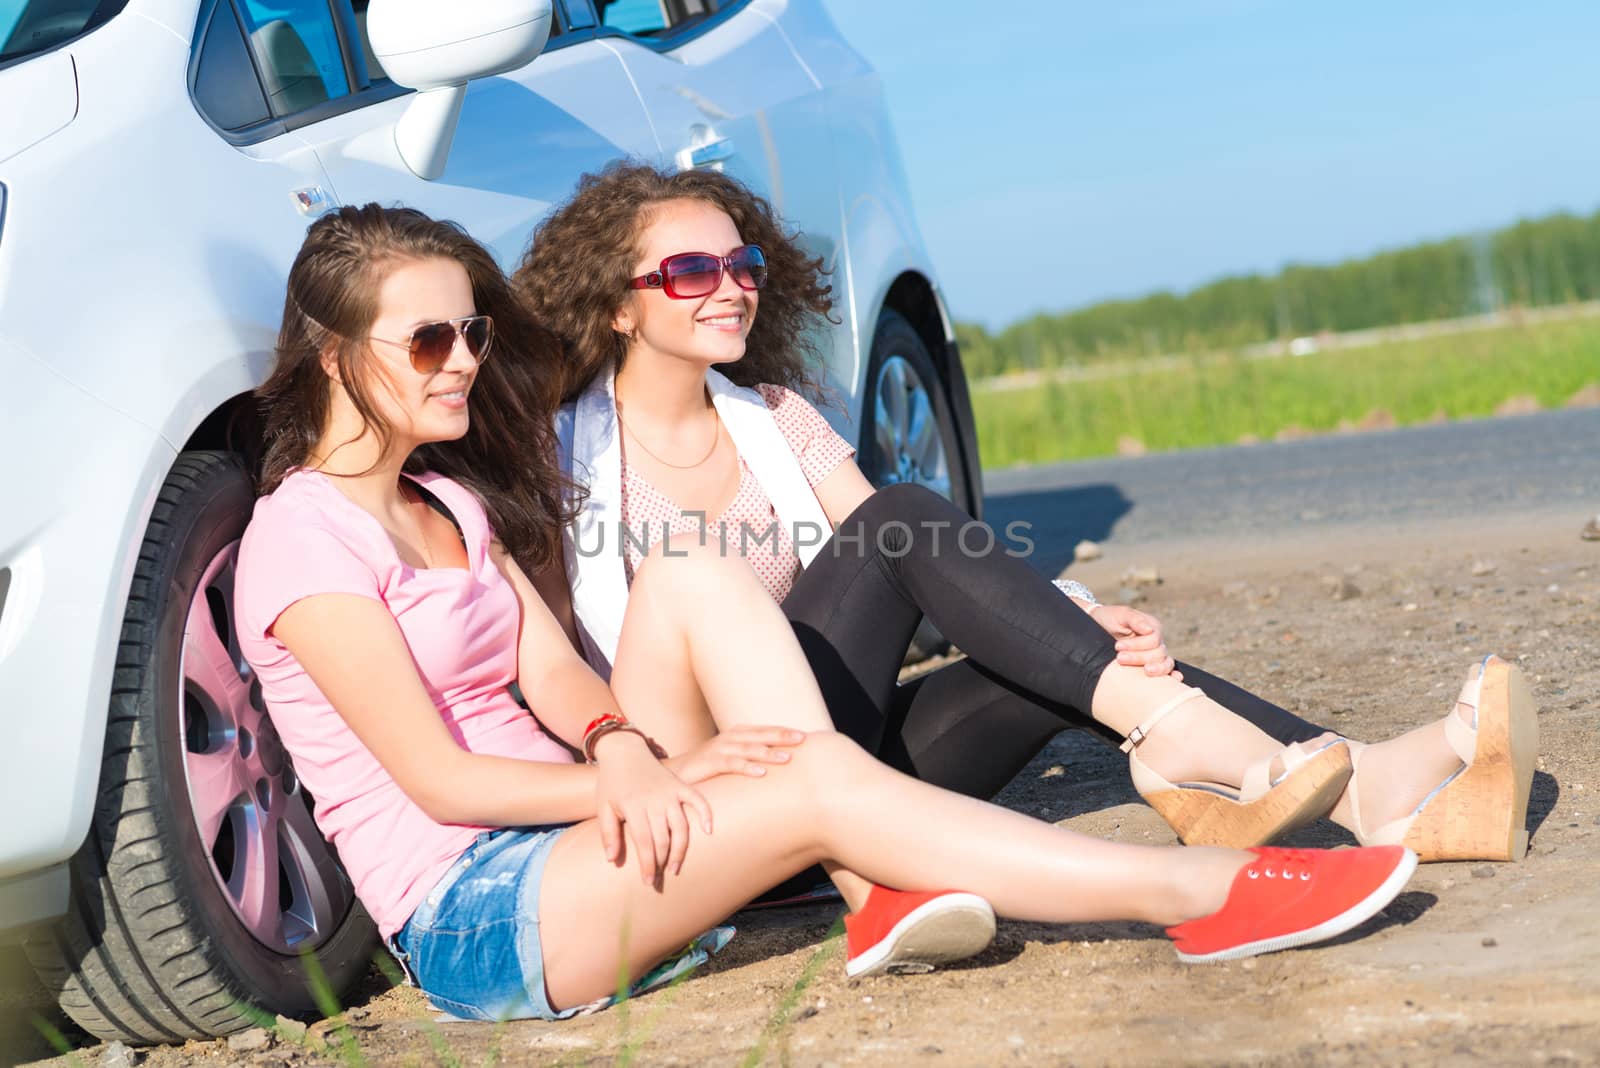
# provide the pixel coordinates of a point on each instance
(1551, 260)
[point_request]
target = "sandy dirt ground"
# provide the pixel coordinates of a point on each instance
(1367, 631)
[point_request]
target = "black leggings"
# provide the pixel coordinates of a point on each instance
(1033, 656)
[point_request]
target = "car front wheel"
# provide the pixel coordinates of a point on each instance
(908, 433)
(204, 885)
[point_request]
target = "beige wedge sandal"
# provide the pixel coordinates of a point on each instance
(1481, 811)
(1265, 806)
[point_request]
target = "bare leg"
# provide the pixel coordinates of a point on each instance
(1397, 774)
(676, 604)
(834, 801)
(1202, 740)
(1199, 740)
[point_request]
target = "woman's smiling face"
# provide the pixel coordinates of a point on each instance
(419, 407)
(706, 330)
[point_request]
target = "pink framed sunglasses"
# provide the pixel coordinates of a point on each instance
(686, 275)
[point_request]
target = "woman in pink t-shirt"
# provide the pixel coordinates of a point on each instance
(409, 488)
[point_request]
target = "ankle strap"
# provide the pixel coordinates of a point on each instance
(1137, 736)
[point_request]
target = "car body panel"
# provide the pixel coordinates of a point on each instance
(219, 277)
(31, 898)
(69, 535)
(880, 231)
(176, 16)
(50, 86)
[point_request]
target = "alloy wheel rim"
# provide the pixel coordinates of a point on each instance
(909, 444)
(275, 870)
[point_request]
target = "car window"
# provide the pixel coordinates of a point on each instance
(648, 17)
(30, 26)
(226, 89)
(573, 15)
(297, 51)
(633, 16)
(260, 60)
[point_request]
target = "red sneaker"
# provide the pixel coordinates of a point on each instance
(1293, 897)
(897, 931)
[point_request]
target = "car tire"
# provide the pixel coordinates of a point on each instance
(203, 886)
(908, 433)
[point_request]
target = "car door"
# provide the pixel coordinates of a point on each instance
(523, 138)
(725, 90)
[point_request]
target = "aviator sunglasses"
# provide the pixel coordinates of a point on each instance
(699, 274)
(431, 344)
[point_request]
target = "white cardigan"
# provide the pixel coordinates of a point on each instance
(591, 451)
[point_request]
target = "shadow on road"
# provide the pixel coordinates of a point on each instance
(1058, 519)
(1541, 800)
(1401, 912)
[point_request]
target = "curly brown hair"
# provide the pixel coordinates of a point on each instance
(574, 276)
(508, 454)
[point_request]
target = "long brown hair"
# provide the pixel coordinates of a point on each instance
(508, 455)
(574, 276)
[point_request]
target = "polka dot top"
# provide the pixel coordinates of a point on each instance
(748, 524)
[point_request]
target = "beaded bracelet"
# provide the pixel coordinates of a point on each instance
(604, 717)
(610, 723)
(610, 726)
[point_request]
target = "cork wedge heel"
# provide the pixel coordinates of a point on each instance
(1480, 812)
(1262, 808)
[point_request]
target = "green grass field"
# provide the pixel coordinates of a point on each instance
(1216, 400)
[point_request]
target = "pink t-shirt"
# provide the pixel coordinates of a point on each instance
(751, 514)
(306, 538)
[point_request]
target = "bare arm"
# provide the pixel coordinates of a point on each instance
(369, 677)
(552, 586)
(559, 685)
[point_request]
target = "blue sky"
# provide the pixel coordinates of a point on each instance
(1061, 153)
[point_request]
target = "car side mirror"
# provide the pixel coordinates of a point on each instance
(436, 48)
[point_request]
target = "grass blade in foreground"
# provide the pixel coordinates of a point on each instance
(780, 1017)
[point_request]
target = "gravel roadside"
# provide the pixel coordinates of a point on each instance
(1369, 634)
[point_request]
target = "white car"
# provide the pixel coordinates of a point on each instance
(159, 163)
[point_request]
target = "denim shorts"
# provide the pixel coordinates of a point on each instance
(473, 944)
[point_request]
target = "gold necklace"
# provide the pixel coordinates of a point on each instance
(716, 439)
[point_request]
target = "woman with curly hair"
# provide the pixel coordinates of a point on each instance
(688, 317)
(385, 609)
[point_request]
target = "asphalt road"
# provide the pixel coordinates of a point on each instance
(1545, 467)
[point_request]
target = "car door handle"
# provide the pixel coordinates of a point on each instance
(706, 154)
